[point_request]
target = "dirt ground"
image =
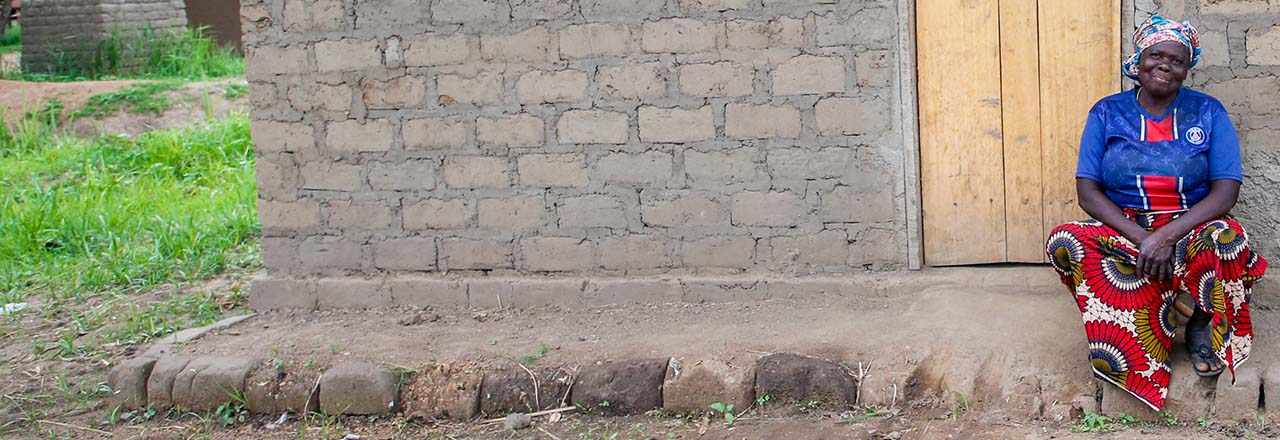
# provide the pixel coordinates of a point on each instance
(192, 102)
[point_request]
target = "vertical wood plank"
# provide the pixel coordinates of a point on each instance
(962, 173)
(1079, 64)
(1020, 102)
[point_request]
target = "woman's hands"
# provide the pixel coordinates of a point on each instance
(1155, 255)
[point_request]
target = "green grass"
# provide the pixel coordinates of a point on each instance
(79, 216)
(187, 55)
(11, 40)
(138, 98)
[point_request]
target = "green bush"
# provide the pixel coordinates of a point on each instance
(11, 40)
(80, 216)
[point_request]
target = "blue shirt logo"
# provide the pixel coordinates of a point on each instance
(1195, 135)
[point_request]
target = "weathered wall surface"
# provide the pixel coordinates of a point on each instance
(54, 30)
(415, 151)
(1241, 67)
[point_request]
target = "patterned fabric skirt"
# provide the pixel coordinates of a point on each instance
(1128, 318)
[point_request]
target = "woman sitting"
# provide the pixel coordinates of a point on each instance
(1159, 171)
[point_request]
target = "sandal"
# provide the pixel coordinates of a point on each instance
(1201, 353)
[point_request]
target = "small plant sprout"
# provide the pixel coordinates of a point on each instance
(726, 411)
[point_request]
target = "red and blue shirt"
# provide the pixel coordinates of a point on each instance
(1159, 162)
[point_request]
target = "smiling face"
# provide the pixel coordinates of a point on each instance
(1162, 68)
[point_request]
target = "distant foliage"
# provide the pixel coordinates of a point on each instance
(147, 54)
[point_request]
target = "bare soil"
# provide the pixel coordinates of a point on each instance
(192, 102)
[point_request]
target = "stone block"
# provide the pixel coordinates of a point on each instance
(591, 211)
(160, 382)
(331, 176)
(361, 215)
(405, 92)
(271, 137)
(508, 389)
(648, 168)
(803, 164)
(715, 5)
(352, 136)
(751, 208)
(693, 384)
(405, 254)
(351, 293)
(207, 382)
(390, 14)
(857, 204)
(436, 214)
(277, 178)
(410, 175)
(826, 248)
(481, 88)
(809, 75)
(488, 293)
(1190, 396)
(852, 116)
(436, 50)
(678, 35)
(789, 378)
(307, 97)
(784, 32)
(434, 133)
(535, 44)
(594, 40)
(676, 125)
(722, 79)
(261, 62)
(464, 253)
(593, 127)
(1117, 401)
(680, 209)
(444, 392)
(750, 121)
(610, 291)
(348, 55)
(632, 81)
(128, 382)
(701, 291)
(1263, 48)
(470, 11)
(875, 246)
(358, 388)
(520, 130)
(726, 251)
(275, 387)
(281, 254)
(541, 86)
(516, 213)
(541, 9)
(615, 9)
(551, 170)
(874, 26)
(476, 172)
(1241, 400)
(314, 15)
(717, 169)
(875, 68)
(421, 291)
(301, 214)
(634, 252)
(555, 254)
(630, 387)
(267, 293)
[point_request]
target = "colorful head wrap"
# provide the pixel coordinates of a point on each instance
(1158, 29)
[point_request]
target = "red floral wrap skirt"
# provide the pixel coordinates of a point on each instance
(1128, 318)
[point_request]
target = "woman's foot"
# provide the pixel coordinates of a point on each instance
(1200, 345)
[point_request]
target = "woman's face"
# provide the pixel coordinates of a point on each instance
(1162, 68)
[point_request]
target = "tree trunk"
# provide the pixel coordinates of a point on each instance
(6, 10)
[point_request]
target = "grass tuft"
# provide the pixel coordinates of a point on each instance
(188, 55)
(80, 216)
(11, 40)
(138, 98)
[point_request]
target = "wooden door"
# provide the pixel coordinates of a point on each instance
(1002, 103)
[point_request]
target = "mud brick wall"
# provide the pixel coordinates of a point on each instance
(54, 29)
(463, 150)
(1241, 67)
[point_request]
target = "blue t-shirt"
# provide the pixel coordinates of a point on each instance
(1159, 162)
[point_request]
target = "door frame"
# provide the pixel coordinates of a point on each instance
(908, 114)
